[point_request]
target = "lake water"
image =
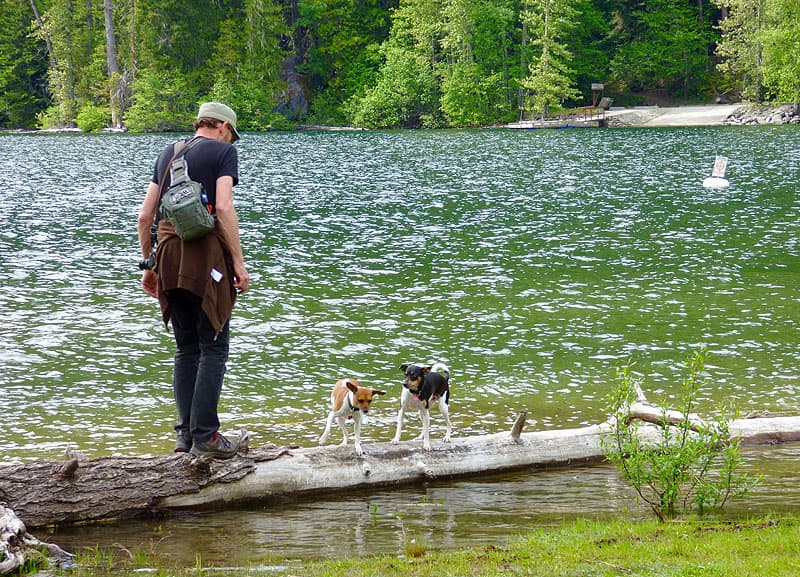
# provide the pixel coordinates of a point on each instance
(533, 262)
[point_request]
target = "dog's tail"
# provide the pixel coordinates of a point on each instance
(442, 369)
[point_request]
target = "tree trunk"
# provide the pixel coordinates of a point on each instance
(49, 493)
(523, 63)
(114, 76)
(47, 40)
(132, 40)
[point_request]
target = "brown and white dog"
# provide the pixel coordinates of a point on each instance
(349, 400)
(422, 386)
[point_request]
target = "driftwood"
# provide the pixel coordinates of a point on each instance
(17, 545)
(46, 493)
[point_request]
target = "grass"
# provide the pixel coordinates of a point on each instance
(748, 548)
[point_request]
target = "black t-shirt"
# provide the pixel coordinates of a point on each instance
(207, 159)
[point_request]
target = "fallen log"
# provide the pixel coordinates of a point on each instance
(47, 493)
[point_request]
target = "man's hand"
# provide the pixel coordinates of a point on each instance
(150, 283)
(241, 278)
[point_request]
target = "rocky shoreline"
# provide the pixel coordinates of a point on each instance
(757, 115)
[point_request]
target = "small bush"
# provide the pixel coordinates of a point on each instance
(49, 118)
(690, 466)
(163, 103)
(93, 118)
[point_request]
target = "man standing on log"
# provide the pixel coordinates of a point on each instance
(196, 281)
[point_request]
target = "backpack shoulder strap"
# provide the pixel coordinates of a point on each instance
(178, 169)
(179, 149)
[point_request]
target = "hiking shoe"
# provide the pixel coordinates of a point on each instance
(183, 442)
(218, 447)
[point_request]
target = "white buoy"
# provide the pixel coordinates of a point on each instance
(717, 178)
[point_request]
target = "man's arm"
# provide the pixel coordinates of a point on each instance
(229, 226)
(146, 216)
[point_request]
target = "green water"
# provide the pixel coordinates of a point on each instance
(532, 262)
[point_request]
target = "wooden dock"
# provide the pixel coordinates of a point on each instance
(538, 124)
(586, 117)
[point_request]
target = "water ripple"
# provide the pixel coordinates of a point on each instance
(532, 262)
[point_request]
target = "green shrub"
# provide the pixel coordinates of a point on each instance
(690, 465)
(163, 103)
(50, 117)
(93, 118)
(251, 102)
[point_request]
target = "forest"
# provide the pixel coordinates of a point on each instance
(144, 65)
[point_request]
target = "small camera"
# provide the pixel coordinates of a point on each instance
(147, 263)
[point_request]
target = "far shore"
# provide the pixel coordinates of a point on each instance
(645, 116)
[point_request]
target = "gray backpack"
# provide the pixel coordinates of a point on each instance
(185, 202)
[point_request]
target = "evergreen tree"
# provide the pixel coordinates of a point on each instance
(551, 79)
(23, 75)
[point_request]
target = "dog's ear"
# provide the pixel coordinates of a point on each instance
(403, 368)
(351, 385)
(374, 392)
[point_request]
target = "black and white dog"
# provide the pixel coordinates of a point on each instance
(422, 386)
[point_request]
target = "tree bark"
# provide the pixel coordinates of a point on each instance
(51, 493)
(47, 39)
(115, 79)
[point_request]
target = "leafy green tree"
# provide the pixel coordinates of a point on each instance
(399, 63)
(74, 34)
(590, 46)
(179, 38)
(551, 80)
(93, 118)
(117, 81)
(741, 48)
(404, 96)
(340, 39)
(406, 93)
(781, 41)
(662, 47)
(247, 61)
(477, 62)
(164, 103)
(56, 29)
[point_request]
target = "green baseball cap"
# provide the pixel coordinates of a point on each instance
(220, 112)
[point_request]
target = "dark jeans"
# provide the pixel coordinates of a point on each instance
(199, 366)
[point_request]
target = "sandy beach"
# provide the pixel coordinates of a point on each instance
(656, 116)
